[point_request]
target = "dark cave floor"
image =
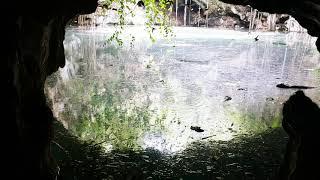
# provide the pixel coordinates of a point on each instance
(244, 157)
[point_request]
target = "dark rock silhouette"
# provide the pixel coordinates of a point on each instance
(269, 99)
(301, 119)
(140, 4)
(196, 128)
(285, 86)
(34, 50)
(227, 98)
(242, 89)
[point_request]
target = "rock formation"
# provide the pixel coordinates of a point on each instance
(306, 12)
(301, 122)
(33, 49)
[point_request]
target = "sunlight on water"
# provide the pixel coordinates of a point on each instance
(149, 95)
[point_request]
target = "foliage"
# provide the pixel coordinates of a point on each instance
(157, 13)
(252, 122)
(317, 72)
(96, 111)
(216, 7)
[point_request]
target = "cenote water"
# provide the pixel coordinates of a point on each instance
(138, 102)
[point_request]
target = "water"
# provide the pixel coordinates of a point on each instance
(149, 95)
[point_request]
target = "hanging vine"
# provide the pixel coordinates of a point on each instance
(156, 12)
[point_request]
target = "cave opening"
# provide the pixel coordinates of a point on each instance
(203, 104)
(163, 90)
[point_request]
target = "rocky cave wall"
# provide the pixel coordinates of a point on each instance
(34, 49)
(306, 12)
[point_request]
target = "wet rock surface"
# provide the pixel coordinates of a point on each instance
(245, 157)
(285, 86)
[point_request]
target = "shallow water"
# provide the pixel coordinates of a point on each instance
(149, 95)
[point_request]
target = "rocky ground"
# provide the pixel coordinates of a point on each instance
(244, 157)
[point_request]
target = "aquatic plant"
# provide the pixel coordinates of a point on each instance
(96, 110)
(253, 122)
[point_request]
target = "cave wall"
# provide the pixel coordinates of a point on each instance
(33, 49)
(306, 12)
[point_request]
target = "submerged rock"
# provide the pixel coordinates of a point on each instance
(269, 99)
(196, 128)
(279, 43)
(285, 86)
(227, 98)
(242, 89)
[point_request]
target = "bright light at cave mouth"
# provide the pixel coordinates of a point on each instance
(220, 81)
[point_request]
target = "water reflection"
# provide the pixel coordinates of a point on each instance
(150, 95)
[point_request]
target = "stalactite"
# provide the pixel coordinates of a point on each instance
(199, 15)
(269, 22)
(250, 19)
(177, 5)
(273, 22)
(185, 13)
(260, 17)
(253, 18)
(189, 14)
(207, 14)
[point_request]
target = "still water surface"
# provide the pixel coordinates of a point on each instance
(148, 95)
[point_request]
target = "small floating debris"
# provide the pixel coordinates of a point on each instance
(194, 62)
(279, 43)
(148, 66)
(162, 81)
(227, 98)
(207, 137)
(196, 128)
(256, 38)
(285, 86)
(269, 99)
(242, 89)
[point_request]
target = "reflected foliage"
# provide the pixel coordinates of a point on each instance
(96, 113)
(253, 122)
